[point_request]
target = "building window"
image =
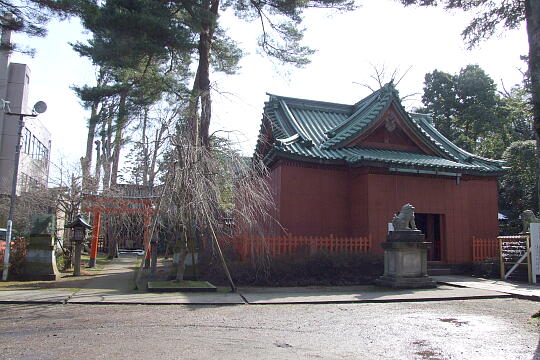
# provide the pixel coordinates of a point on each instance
(26, 138)
(33, 147)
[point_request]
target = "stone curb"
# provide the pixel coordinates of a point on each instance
(370, 301)
(68, 301)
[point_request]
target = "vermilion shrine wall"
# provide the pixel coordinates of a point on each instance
(317, 201)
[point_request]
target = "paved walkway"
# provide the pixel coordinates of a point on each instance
(115, 285)
(522, 290)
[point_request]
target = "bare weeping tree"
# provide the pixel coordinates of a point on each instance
(204, 185)
(381, 76)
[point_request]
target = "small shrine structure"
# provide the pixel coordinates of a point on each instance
(125, 203)
(344, 170)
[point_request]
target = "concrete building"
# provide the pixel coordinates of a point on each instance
(35, 139)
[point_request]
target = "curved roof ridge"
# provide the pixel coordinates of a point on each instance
(292, 121)
(353, 125)
(299, 101)
(456, 148)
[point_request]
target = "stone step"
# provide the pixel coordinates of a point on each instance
(439, 271)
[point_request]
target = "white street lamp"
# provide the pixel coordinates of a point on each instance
(39, 108)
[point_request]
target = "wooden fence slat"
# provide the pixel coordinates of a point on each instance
(248, 247)
(484, 249)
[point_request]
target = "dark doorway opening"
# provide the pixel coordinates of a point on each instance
(430, 225)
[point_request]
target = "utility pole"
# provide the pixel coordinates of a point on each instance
(39, 107)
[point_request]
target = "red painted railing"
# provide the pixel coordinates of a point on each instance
(276, 246)
(484, 249)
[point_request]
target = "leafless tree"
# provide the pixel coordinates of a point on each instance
(204, 185)
(382, 76)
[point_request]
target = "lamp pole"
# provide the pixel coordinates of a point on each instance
(7, 251)
(39, 108)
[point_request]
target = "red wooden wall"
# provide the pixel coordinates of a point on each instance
(316, 201)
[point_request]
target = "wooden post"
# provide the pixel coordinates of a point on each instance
(146, 238)
(77, 259)
(95, 237)
(529, 258)
(501, 259)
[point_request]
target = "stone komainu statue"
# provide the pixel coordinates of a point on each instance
(527, 217)
(405, 219)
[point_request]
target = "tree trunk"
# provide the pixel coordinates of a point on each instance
(181, 266)
(120, 122)
(201, 87)
(145, 145)
(181, 248)
(112, 237)
(204, 85)
(157, 145)
(106, 155)
(97, 171)
(86, 161)
(532, 16)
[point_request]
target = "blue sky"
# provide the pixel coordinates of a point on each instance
(380, 32)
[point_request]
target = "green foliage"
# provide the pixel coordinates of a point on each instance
(128, 32)
(468, 110)
(490, 15)
(516, 107)
(281, 31)
(519, 184)
(31, 16)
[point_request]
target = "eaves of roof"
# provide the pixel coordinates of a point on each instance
(371, 157)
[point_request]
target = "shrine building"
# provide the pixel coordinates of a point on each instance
(345, 170)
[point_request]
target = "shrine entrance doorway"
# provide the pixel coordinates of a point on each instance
(431, 225)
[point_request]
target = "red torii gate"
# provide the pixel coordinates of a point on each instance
(118, 205)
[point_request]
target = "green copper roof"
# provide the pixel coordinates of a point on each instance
(316, 131)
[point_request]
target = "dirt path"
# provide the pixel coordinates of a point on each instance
(117, 276)
(472, 329)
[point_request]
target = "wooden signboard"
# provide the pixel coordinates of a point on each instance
(535, 250)
(515, 251)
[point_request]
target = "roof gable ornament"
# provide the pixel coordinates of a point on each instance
(390, 123)
(389, 130)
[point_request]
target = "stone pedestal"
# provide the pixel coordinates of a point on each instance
(40, 262)
(78, 245)
(190, 263)
(405, 261)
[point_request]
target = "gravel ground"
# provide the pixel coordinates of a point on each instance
(472, 329)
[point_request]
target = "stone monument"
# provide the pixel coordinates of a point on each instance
(40, 261)
(405, 254)
(527, 218)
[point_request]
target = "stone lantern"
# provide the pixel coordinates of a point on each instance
(79, 227)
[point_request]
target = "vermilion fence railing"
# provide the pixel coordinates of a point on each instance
(484, 249)
(276, 246)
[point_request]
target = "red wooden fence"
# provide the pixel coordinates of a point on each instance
(275, 246)
(484, 249)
